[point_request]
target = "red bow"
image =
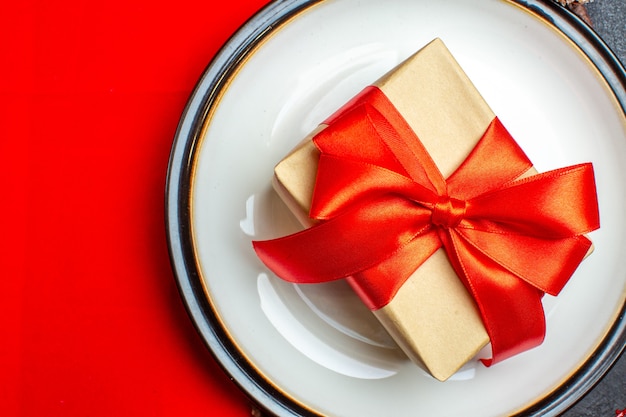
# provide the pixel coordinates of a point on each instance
(385, 208)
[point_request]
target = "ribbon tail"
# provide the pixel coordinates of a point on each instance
(378, 285)
(499, 294)
(314, 255)
(347, 244)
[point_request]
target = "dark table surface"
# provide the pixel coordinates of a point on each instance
(609, 21)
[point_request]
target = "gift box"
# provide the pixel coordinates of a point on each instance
(432, 314)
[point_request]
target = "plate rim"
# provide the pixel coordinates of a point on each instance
(178, 216)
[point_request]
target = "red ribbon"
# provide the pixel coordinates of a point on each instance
(385, 208)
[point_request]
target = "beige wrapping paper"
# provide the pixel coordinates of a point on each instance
(432, 317)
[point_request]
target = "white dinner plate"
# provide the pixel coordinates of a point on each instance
(315, 350)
